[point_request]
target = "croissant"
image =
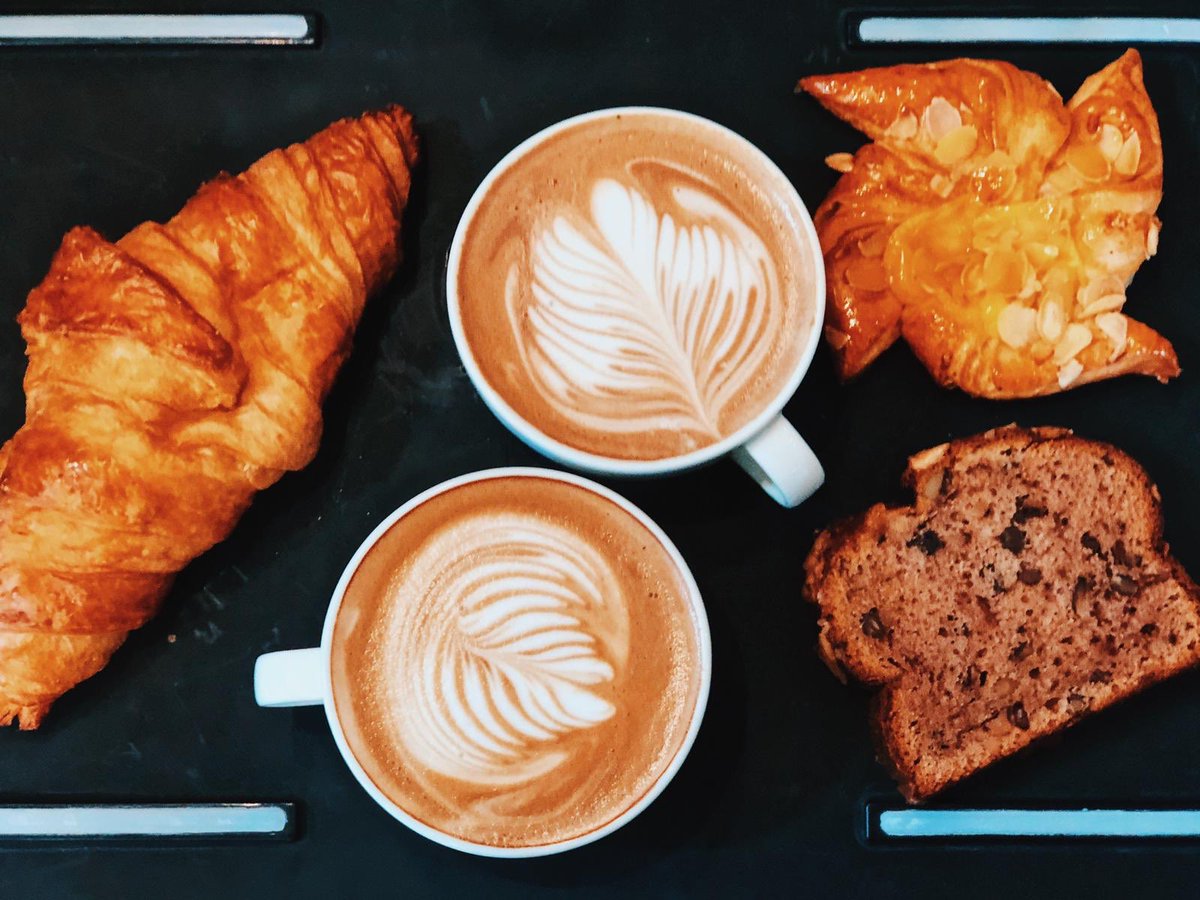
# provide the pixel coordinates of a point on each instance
(991, 226)
(171, 376)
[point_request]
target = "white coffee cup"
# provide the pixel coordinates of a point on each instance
(304, 677)
(770, 450)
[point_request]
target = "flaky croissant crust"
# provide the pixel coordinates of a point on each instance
(172, 375)
(992, 226)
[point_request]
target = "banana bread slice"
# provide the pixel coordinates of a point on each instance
(1028, 586)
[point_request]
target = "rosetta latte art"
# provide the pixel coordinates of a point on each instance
(642, 319)
(506, 634)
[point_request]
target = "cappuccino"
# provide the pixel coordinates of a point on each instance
(638, 286)
(516, 661)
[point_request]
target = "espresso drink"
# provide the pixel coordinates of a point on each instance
(637, 286)
(516, 662)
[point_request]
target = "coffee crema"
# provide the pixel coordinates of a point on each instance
(637, 286)
(516, 662)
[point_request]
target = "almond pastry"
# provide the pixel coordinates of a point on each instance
(1010, 223)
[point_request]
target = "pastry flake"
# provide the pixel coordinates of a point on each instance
(173, 374)
(992, 226)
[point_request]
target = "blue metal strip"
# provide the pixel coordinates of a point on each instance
(1028, 30)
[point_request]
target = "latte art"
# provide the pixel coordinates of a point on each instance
(636, 286)
(503, 637)
(643, 318)
(516, 661)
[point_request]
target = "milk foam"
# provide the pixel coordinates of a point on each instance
(516, 661)
(504, 634)
(640, 317)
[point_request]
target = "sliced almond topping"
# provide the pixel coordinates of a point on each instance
(1062, 180)
(971, 276)
(998, 159)
(1099, 287)
(1009, 237)
(993, 225)
(1110, 141)
(923, 265)
(1004, 272)
(982, 240)
(904, 128)
(931, 487)
(1016, 325)
(1058, 280)
(867, 274)
(927, 459)
(1152, 238)
(1051, 318)
(1068, 373)
(874, 244)
(1041, 253)
(1031, 286)
(1086, 161)
(940, 118)
(1041, 350)
(1116, 328)
(840, 162)
(956, 145)
(941, 185)
(1127, 160)
(1104, 304)
(837, 339)
(1075, 339)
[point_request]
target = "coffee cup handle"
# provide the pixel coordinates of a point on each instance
(290, 678)
(782, 463)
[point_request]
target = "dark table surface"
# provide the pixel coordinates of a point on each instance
(771, 798)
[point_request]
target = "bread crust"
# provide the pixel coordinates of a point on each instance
(859, 607)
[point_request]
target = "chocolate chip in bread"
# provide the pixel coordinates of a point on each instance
(1027, 586)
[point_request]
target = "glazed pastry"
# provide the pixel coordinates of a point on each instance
(172, 375)
(993, 227)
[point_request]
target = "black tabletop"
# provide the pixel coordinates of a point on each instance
(770, 801)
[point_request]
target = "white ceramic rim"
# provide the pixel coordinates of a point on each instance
(592, 462)
(703, 636)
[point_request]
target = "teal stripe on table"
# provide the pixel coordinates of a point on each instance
(1026, 30)
(1111, 823)
(104, 28)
